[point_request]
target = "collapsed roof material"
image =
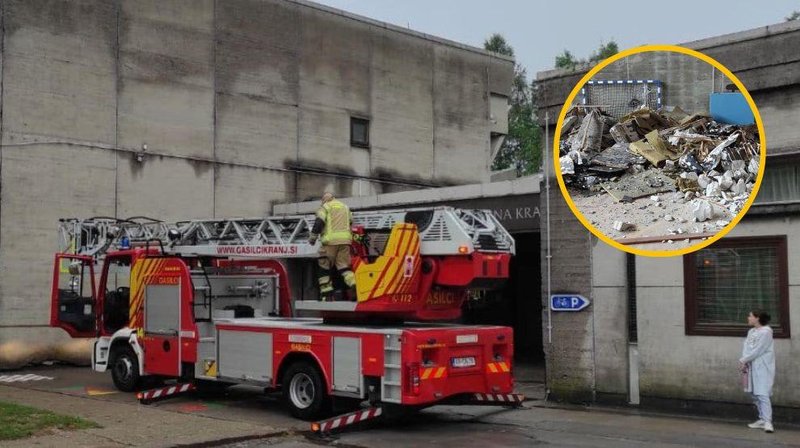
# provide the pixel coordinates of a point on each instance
(712, 166)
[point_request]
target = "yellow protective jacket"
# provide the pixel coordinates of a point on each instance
(336, 218)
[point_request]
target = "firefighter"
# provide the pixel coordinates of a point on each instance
(332, 226)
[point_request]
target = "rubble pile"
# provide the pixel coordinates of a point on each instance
(711, 167)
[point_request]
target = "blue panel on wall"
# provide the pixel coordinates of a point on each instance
(730, 108)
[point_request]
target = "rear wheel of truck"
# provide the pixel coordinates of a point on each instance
(304, 391)
(125, 370)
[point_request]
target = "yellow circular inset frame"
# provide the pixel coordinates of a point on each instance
(568, 104)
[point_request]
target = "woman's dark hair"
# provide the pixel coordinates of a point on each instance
(763, 316)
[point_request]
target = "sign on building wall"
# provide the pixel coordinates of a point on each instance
(516, 213)
(568, 302)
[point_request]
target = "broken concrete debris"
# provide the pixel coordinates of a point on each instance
(617, 157)
(689, 162)
(567, 165)
(623, 133)
(634, 186)
(587, 138)
(705, 210)
(740, 188)
(752, 167)
(711, 166)
(622, 226)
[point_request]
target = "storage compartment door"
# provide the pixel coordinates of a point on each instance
(162, 317)
(244, 356)
(347, 365)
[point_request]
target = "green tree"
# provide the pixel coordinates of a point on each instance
(497, 43)
(521, 147)
(567, 60)
(605, 51)
(795, 15)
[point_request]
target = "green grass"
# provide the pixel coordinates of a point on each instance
(18, 421)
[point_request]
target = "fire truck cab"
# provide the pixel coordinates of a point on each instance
(232, 302)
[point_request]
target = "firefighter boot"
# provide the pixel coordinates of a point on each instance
(349, 280)
(326, 291)
(325, 285)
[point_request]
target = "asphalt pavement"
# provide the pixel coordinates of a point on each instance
(245, 417)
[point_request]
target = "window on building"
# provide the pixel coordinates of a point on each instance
(724, 282)
(359, 132)
(781, 183)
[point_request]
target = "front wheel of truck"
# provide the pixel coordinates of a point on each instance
(125, 370)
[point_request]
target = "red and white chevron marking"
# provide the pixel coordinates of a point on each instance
(499, 398)
(346, 420)
(23, 378)
(163, 392)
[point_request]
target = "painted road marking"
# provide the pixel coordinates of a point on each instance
(94, 391)
(23, 378)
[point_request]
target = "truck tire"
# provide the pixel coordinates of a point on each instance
(304, 391)
(125, 370)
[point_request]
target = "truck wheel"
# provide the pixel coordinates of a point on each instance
(125, 370)
(304, 391)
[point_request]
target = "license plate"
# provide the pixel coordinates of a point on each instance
(466, 361)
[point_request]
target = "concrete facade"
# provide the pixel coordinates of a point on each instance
(495, 191)
(210, 108)
(686, 80)
(762, 58)
(596, 357)
(671, 364)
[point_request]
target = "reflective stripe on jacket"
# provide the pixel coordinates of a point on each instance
(337, 223)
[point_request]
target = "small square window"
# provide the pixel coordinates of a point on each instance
(359, 132)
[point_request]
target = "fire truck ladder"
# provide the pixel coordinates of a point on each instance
(443, 231)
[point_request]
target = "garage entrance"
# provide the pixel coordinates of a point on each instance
(518, 304)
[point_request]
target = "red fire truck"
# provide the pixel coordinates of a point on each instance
(233, 301)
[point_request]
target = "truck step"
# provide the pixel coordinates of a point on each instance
(497, 399)
(341, 421)
(148, 396)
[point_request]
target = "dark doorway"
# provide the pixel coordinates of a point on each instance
(519, 303)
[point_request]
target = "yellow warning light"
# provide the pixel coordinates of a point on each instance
(315, 427)
(463, 249)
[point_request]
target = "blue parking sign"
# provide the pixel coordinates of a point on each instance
(568, 302)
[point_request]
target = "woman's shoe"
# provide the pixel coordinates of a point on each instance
(758, 424)
(768, 427)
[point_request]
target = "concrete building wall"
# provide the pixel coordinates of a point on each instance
(569, 337)
(610, 315)
(179, 109)
(762, 58)
(670, 364)
(687, 80)
(674, 365)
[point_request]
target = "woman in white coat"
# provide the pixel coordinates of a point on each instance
(758, 364)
